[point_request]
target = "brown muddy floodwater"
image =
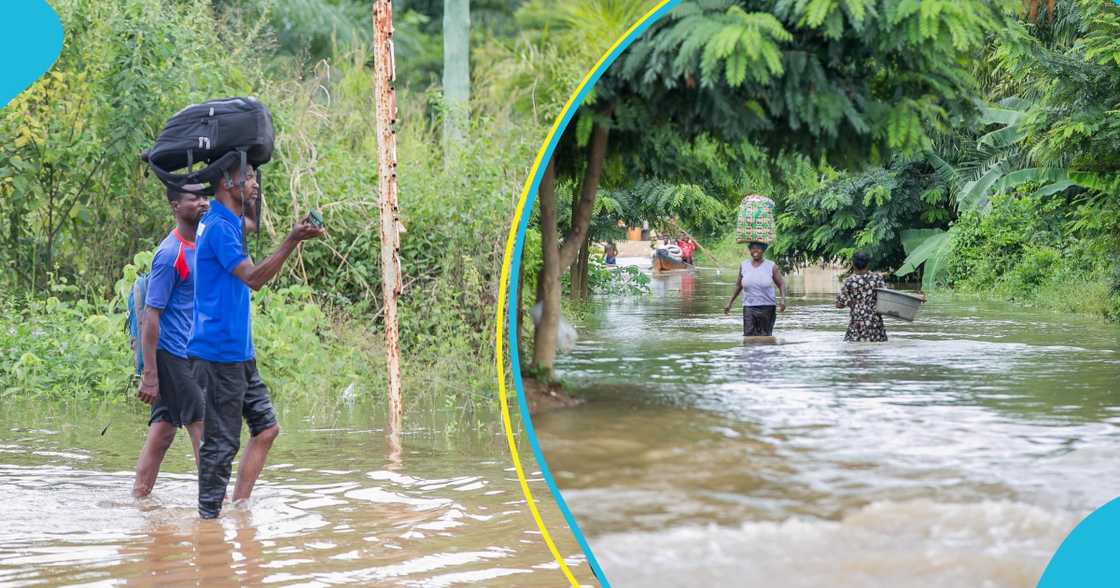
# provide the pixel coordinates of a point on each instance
(330, 509)
(958, 454)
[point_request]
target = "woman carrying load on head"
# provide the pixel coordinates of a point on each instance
(858, 294)
(757, 278)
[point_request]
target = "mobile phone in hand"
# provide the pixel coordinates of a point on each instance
(314, 218)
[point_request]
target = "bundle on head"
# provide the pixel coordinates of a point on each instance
(755, 221)
(225, 135)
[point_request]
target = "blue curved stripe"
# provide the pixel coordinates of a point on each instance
(515, 361)
(1087, 557)
(30, 41)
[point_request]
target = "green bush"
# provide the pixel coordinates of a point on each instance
(1030, 249)
(62, 349)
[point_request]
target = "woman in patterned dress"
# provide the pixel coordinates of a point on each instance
(858, 294)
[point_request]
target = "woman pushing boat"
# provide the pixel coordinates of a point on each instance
(858, 293)
(757, 278)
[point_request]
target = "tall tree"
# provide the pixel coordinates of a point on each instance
(456, 70)
(583, 22)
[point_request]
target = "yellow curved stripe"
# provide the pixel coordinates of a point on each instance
(503, 287)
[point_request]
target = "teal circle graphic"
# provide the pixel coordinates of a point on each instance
(31, 40)
(1087, 557)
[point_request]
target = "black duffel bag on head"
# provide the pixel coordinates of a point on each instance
(219, 133)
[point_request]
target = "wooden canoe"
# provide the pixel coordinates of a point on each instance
(665, 263)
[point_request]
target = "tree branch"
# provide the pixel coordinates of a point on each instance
(582, 209)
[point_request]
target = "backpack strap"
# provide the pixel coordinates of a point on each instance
(207, 175)
(136, 307)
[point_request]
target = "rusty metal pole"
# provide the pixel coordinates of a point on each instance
(384, 77)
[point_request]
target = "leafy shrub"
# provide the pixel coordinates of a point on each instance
(1033, 250)
(865, 211)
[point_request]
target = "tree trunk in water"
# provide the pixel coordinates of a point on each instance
(576, 276)
(579, 271)
(521, 307)
(456, 73)
(557, 258)
(384, 76)
(544, 339)
(583, 262)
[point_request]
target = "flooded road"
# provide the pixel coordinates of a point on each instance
(960, 453)
(330, 509)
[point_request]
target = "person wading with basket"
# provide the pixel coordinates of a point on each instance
(757, 278)
(859, 294)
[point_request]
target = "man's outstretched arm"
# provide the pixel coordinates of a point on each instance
(256, 275)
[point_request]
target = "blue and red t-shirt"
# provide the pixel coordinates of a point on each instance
(221, 331)
(171, 290)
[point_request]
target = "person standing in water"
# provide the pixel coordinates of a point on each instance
(757, 278)
(221, 341)
(167, 383)
(858, 294)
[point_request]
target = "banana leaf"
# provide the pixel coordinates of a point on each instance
(925, 246)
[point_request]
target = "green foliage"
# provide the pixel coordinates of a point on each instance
(688, 205)
(856, 79)
(1033, 250)
(306, 32)
(315, 28)
(869, 211)
(619, 281)
(55, 348)
(583, 27)
(59, 349)
(451, 252)
(929, 248)
(1076, 84)
(80, 349)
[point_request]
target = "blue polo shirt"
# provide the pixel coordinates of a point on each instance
(221, 331)
(171, 290)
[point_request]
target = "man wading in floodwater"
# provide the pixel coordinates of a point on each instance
(221, 343)
(167, 382)
(757, 278)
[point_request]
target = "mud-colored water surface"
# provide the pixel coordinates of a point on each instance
(331, 509)
(960, 453)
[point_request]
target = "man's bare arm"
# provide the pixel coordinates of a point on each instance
(149, 337)
(257, 275)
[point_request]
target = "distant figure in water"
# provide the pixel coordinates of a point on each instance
(858, 294)
(610, 256)
(757, 278)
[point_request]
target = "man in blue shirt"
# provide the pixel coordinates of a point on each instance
(167, 382)
(221, 342)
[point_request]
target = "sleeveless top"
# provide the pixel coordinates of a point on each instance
(758, 283)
